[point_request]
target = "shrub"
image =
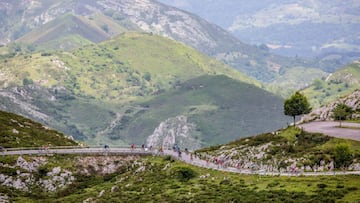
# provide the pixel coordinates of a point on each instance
(27, 81)
(225, 182)
(42, 171)
(273, 184)
(321, 185)
(184, 174)
(169, 158)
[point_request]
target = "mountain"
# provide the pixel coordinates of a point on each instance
(17, 131)
(66, 32)
(203, 111)
(149, 16)
(336, 85)
(131, 65)
(122, 90)
(68, 24)
(296, 27)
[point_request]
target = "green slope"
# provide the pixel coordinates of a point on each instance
(130, 66)
(341, 83)
(221, 108)
(17, 131)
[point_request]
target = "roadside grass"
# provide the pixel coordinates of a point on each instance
(354, 121)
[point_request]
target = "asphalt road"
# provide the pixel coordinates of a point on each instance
(332, 129)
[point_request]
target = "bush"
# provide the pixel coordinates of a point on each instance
(273, 184)
(225, 182)
(27, 81)
(184, 174)
(42, 171)
(342, 155)
(321, 185)
(45, 54)
(169, 158)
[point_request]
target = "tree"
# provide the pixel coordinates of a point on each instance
(296, 105)
(318, 84)
(147, 76)
(342, 155)
(341, 112)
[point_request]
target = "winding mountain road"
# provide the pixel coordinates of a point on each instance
(349, 130)
(185, 158)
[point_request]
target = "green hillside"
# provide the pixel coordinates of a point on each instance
(221, 108)
(130, 66)
(17, 131)
(341, 83)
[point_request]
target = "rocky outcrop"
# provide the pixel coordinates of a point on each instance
(34, 172)
(30, 173)
(325, 113)
(104, 165)
(174, 131)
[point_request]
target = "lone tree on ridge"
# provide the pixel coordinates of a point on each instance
(296, 105)
(342, 112)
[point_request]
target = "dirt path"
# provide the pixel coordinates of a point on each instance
(332, 129)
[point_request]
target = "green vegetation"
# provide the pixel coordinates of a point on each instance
(341, 83)
(342, 112)
(296, 105)
(17, 131)
(161, 182)
(342, 155)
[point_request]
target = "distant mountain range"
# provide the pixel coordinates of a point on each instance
(289, 27)
(70, 24)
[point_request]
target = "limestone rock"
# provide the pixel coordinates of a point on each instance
(174, 130)
(325, 113)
